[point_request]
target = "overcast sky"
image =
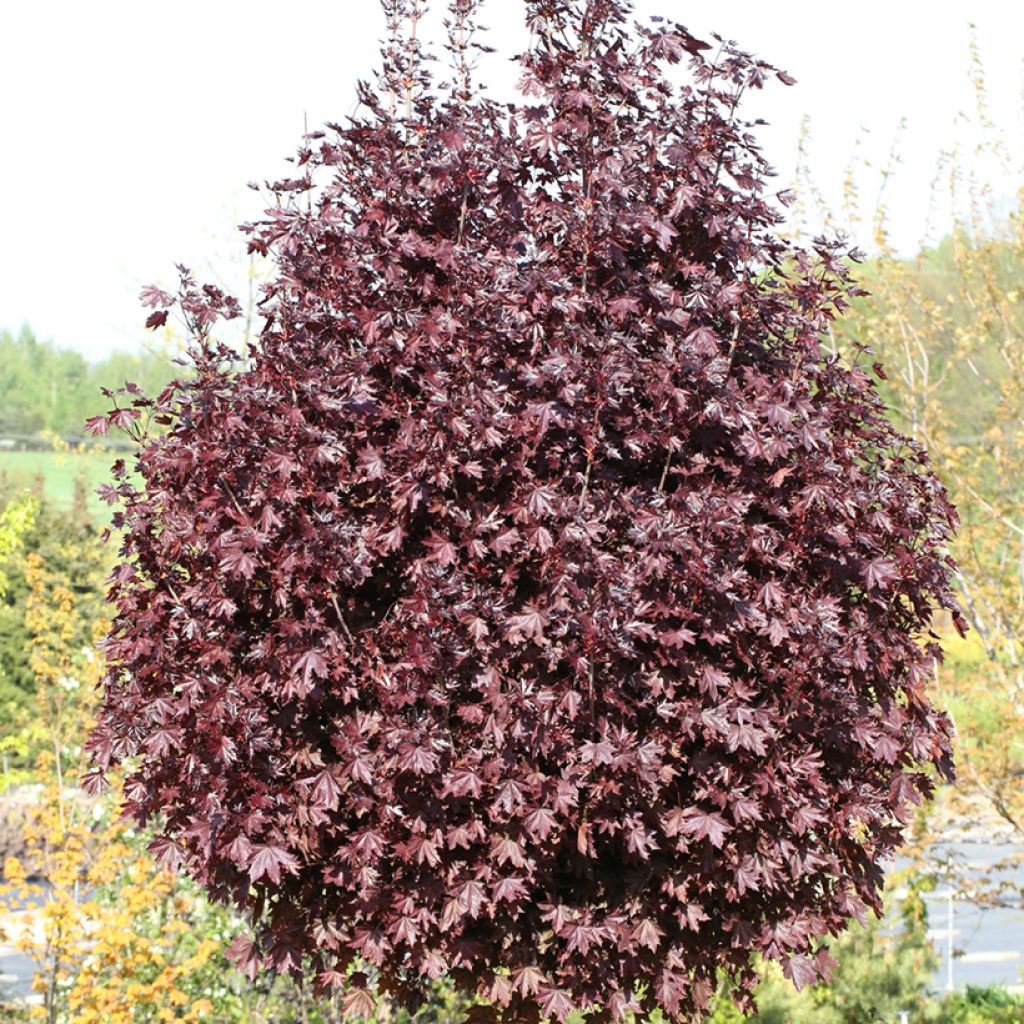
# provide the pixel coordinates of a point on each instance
(129, 129)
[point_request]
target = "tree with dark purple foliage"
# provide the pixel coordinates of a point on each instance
(543, 603)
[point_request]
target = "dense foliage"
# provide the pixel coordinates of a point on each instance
(544, 603)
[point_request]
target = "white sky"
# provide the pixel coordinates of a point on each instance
(129, 128)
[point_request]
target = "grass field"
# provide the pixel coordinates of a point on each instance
(55, 473)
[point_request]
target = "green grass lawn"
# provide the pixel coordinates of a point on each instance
(56, 473)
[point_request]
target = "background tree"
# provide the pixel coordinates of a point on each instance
(543, 603)
(45, 387)
(948, 324)
(16, 520)
(58, 562)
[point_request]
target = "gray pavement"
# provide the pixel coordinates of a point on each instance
(987, 935)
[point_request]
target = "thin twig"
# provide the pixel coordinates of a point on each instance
(732, 347)
(234, 500)
(462, 212)
(664, 472)
(590, 457)
(341, 619)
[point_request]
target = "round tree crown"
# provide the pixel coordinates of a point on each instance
(543, 602)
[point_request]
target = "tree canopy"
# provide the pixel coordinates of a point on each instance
(544, 603)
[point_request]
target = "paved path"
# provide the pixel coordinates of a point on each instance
(987, 940)
(16, 969)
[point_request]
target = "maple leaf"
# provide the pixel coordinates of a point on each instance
(879, 573)
(800, 970)
(310, 665)
(242, 953)
(369, 844)
(330, 979)
(529, 623)
(506, 541)
(648, 933)
(238, 562)
(507, 850)
(712, 680)
(419, 761)
(240, 850)
(601, 752)
(269, 861)
(167, 852)
(777, 632)
(162, 741)
(405, 931)
(680, 637)
(326, 790)
(441, 549)
(124, 418)
(509, 890)
(471, 898)
(359, 1002)
(670, 989)
(527, 981)
(98, 425)
(672, 822)
(555, 1002)
(703, 825)
(747, 876)
(155, 297)
(540, 823)
(888, 748)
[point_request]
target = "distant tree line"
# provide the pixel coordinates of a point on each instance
(45, 387)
